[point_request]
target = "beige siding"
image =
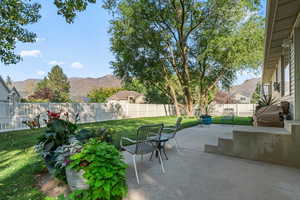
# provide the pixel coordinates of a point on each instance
(288, 56)
(3, 93)
(292, 59)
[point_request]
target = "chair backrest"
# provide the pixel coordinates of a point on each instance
(147, 131)
(178, 123)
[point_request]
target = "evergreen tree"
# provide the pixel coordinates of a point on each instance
(53, 88)
(58, 82)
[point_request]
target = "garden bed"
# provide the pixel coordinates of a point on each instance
(20, 163)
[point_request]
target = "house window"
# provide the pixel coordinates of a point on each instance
(286, 76)
(265, 89)
(131, 99)
(276, 75)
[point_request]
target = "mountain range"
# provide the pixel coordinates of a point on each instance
(246, 88)
(80, 87)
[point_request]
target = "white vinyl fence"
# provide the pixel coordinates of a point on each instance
(12, 115)
(241, 110)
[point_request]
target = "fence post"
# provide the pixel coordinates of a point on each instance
(237, 109)
(127, 110)
(147, 110)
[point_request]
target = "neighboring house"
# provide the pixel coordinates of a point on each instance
(281, 70)
(7, 94)
(126, 96)
(242, 99)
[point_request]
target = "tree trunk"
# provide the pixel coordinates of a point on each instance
(188, 102)
(174, 97)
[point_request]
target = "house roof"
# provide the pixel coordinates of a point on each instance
(15, 90)
(280, 21)
(9, 90)
(4, 84)
(124, 95)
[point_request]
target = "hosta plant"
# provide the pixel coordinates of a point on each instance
(104, 171)
(57, 134)
(63, 153)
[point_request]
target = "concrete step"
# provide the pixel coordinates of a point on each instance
(292, 126)
(225, 146)
(208, 148)
(261, 130)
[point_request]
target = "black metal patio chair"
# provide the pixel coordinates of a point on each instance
(169, 132)
(143, 144)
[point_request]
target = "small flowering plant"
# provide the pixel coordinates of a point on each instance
(64, 152)
(52, 116)
(32, 124)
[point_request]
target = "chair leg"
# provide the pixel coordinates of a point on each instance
(161, 162)
(135, 169)
(151, 156)
(164, 151)
(176, 145)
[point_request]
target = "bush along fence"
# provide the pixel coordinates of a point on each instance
(21, 115)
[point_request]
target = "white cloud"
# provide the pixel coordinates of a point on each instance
(40, 39)
(40, 73)
(54, 62)
(31, 53)
(77, 65)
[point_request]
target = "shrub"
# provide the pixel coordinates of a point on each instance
(57, 134)
(103, 134)
(104, 171)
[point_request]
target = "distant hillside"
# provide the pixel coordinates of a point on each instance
(246, 88)
(80, 87)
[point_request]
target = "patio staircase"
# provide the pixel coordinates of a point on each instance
(274, 145)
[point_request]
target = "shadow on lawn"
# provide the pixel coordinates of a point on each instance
(21, 183)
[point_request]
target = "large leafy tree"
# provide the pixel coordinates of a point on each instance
(99, 95)
(185, 48)
(15, 15)
(152, 93)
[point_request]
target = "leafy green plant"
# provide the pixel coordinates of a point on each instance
(103, 134)
(57, 134)
(104, 171)
(266, 100)
(63, 153)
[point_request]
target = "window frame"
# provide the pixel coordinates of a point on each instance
(286, 64)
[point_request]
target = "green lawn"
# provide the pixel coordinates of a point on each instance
(237, 121)
(19, 163)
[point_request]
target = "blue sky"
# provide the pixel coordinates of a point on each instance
(82, 49)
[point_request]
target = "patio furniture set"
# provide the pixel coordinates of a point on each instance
(151, 139)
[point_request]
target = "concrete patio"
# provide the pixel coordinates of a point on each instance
(192, 174)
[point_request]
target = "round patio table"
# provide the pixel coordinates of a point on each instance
(160, 141)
